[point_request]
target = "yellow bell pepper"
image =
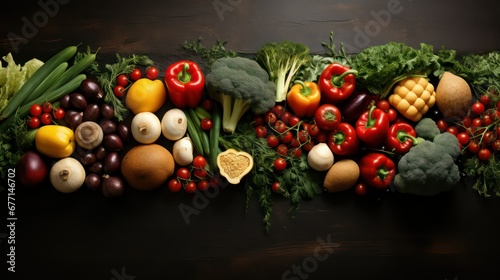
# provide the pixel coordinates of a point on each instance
(55, 141)
(413, 97)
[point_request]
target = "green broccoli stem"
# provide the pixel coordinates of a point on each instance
(233, 110)
(281, 89)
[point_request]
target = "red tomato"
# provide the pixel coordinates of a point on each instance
(34, 122)
(119, 91)
(477, 108)
(278, 110)
(473, 147)
(484, 154)
(152, 72)
(361, 189)
(495, 145)
(59, 113)
(276, 187)
(203, 185)
(487, 120)
(280, 164)
(272, 141)
(136, 74)
(206, 124)
(294, 121)
(207, 104)
(392, 114)
(296, 152)
(286, 137)
(190, 187)
(442, 125)
(280, 126)
(122, 80)
(453, 130)
(477, 122)
(308, 145)
(327, 117)
(261, 131)
(199, 162)
(488, 137)
(303, 136)
(383, 105)
(485, 99)
(282, 149)
(46, 107)
(35, 110)
(174, 185)
(314, 130)
(183, 173)
(200, 173)
(466, 121)
(285, 117)
(270, 117)
(46, 118)
(463, 138)
(321, 137)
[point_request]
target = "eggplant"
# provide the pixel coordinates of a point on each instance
(358, 103)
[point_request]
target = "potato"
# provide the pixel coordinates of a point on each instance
(341, 176)
(453, 96)
(148, 166)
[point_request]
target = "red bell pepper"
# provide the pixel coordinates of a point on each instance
(372, 127)
(336, 83)
(401, 137)
(377, 170)
(185, 83)
(343, 141)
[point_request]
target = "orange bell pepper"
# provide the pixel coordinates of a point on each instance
(304, 98)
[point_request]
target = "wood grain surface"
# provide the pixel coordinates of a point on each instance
(338, 236)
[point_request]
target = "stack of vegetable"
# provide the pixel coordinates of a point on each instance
(284, 122)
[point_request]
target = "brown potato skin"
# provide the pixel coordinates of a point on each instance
(146, 167)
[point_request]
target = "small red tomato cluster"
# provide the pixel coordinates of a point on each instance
(124, 80)
(194, 178)
(44, 114)
(479, 131)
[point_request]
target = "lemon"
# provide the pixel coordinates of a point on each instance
(146, 95)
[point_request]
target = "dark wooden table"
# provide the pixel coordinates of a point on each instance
(337, 236)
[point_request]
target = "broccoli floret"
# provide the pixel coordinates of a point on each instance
(239, 84)
(282, 61)
(429, 168)
(427, 129)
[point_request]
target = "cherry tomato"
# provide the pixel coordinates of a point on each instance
(207, 104)
(303, 136)
(47, 107)
(199, 162)
(392, 114)
(136, 74)
(485, 99)
(484, 154)
(200, 173)
(261, 131)
(59, 113)
(280, 164)
(327, 117)
(286, 116)
(183, 173)
(322, 137)
(487, 120)
(452, 129)
(314, 130)
(488, 137)
(442, 125)
(206, 124)
(276, 187)
(295, 142)
(282, 149)
(463, 138)
(308, 145)
(203, 185)
(361, 189)
(495, 145)
(46, 118)
(383, 105)
(473, 147)
(306, 126)
(278, 110)
(477, 108)
(270, 118)
(477, 122)
(279, 126)
(466, 121)
(122, 80)
(119, 91)
(34, 122)
(294, 120)
(296, 152)
(190, 187)
(174, 185)
(152, 72)
(286, 137)
(35, 110)
(272, 140)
